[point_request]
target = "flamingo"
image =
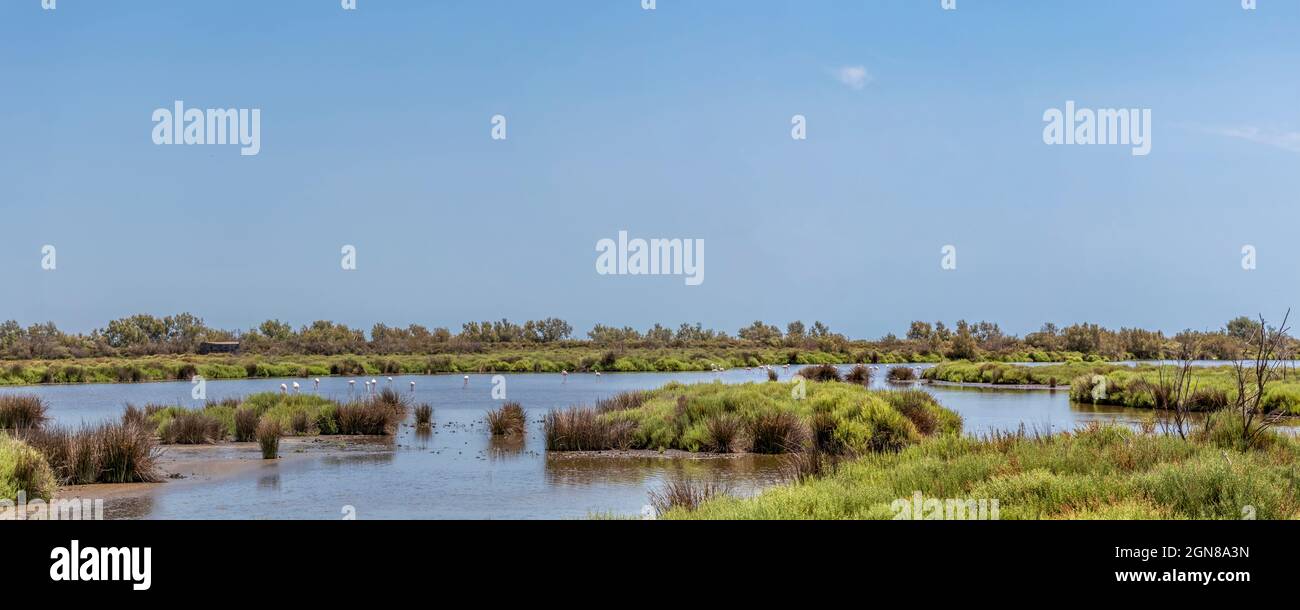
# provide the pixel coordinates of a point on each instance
(598, 373)
(352, 386)
(296, 387)
(466, 381)
(317, 384)
(390, 381)
(284, 389)
(412, 386)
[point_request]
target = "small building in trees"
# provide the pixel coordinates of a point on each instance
(219, 347)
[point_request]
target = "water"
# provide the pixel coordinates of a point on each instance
(458, 471)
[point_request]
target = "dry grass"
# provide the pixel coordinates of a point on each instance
(268, 437)
(22, 411)
(367, 418)
(424, 416)
(820, 372)
(859, 374)
(776, 432)
(246, 425)
(902, 373)
(509, 420)
(582, 429)
(109, 453)
(686, 494)
(724, 433)
(192, 428)
(621, 402)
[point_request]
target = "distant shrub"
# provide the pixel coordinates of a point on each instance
(902, 373)
(820, 372)
(859, 374)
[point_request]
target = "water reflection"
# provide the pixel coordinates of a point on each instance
(505, 447)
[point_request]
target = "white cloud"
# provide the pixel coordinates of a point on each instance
(1287, 140)
(854, 77)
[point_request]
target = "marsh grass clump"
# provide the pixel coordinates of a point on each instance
(367, 418)
(583, 429)
(192, 428)
(134, 416)
(394, 400)
(24, 469)
(621, 402)
(299, 423)
(686, 494)
(776, 432)
(21, 411)
(509, 420)
(246, 420)
(859, 374)
(820, 372)
(901, 374)
(809, 464)
(268, 437)
(424, 416)
(724, 433)
(108, 453)
(772, 376)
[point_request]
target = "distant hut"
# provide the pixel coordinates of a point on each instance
(218, 347)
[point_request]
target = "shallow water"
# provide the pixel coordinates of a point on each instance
(457, 471)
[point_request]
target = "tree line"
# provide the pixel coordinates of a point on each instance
(144, 334)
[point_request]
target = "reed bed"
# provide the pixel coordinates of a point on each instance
(268, 435)
(20, 411)
(509, 420)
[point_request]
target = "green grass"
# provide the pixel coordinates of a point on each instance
(1000, 373)
(1125, 386)
(1213, 387)
(1095, 473)
(23, 468)
(504, 358)
(296, 414)
(691, 417)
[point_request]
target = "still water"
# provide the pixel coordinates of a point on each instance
(457, 471)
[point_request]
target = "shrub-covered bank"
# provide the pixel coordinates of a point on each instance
(495, 359)
(1210, 389)
(295, 414)
(1000, 373)
(758, 417)
(38, 458)
(1098, 472)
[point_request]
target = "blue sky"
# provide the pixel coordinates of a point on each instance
(666, 123)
